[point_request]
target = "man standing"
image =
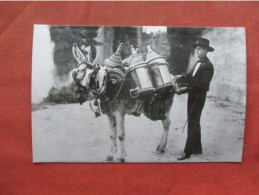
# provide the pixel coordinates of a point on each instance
(198, 84)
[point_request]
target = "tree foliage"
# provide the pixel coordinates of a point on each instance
(64, 37)
(63, 95)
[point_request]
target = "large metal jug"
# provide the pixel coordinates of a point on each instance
(140, 75)
(159, 70)
(127, 61)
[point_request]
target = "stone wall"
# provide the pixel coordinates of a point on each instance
(111, 37)
(229, 60)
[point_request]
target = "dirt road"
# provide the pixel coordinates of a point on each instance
(71, 133)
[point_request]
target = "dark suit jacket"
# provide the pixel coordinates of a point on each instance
(200, 82)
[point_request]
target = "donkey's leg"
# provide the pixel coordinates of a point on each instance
(166, 124)
(120, 119)
(113, 136)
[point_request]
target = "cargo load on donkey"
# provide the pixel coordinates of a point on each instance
(151, 82)
(149, 76)
(143, 79)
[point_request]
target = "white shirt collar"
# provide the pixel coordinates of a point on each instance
(196, 68)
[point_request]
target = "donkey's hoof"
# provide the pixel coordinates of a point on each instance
(109, 158)
(160, 149)
(121, 160)
(157, 148)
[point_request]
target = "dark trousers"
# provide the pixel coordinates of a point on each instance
(195, 105)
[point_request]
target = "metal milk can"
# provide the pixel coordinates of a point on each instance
(159, 69)
(140, 75)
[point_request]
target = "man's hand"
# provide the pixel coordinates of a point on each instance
(177, 77)
(181, 90)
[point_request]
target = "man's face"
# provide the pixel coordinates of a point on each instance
(200, 52)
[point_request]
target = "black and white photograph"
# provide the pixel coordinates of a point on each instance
(130, 94)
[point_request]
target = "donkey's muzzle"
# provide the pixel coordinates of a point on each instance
(81, 94)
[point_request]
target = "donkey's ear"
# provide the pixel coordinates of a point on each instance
(92, 54)
(149, 49)
(138, 51)
(132, 50)
(79, 56)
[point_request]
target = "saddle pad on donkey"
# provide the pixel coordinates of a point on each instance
(116, 75)
(117, 84)
(156, 109)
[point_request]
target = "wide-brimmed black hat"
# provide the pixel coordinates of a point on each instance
(204, 43)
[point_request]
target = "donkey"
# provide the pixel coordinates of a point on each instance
(115, 100)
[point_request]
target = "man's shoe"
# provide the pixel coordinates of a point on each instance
(197, 152)
(184, 156)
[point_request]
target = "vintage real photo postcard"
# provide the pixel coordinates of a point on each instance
(138, 94)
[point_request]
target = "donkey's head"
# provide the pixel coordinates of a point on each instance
(82, 74)
(88, 74)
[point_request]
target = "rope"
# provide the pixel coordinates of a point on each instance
(153, 97)
(121, 85)
(91, 107)
(133, 95)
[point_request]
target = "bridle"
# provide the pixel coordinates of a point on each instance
(95, 87)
